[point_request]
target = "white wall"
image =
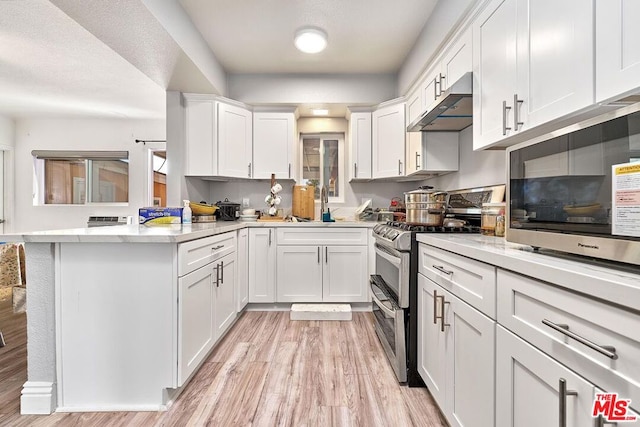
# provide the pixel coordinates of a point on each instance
(79, 134)
(367, 89)
(476, 169)
(7, 132)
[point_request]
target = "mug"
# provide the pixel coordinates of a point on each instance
(276, 188)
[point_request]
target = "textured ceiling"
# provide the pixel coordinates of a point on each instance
(51, 66)
(365, 36)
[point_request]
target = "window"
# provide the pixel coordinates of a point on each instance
(323, 165)
(81, 177)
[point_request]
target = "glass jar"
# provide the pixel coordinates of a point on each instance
(488, 218)
(500, 224)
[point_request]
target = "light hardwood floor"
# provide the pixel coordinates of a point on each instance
(268, 371)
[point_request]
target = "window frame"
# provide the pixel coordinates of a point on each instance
(39, 184)
(340, 137)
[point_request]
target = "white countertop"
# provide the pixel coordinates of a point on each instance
(161, 233)
(620, 285)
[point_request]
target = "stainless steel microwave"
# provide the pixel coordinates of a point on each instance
(578, 190)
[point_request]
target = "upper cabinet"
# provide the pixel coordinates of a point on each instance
(617, 49)
(388, 136)
(273, 136)
(235, 140)
(360, 145)
(201, 150)
(525, 58)
(457, 61)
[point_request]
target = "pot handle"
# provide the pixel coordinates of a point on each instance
(425, 187)
(435, 211)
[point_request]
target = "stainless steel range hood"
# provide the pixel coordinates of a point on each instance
(451, 111)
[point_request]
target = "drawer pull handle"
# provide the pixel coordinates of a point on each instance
(441, 269)
(605, 350)
(562, 397)
(215, 248)
(442, 303)
(435, 307)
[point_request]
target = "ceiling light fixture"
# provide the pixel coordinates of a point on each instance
(320, 112)
(310, 40)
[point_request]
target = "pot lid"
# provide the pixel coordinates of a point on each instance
(425, 189)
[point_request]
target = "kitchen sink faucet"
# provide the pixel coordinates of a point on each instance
(324, 199)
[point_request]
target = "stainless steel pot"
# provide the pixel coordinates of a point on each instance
(425, 206)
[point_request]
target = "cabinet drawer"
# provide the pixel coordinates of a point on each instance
(472, 281)
(197, 253)
(322, 236)
(523, 305)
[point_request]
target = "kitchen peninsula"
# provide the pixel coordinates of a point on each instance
(121, 317)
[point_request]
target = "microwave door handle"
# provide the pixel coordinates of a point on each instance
(393, 260)
(382, 307)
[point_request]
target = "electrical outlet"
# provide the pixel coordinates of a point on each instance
(245, 202)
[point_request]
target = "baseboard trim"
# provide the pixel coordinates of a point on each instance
(38, 398)
(282, 306)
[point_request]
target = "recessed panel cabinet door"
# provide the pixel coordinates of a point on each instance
(555, 60)
(273, 145)
(528, 391)
(345, 274)
(299, 273)
(262, 265)
(242, 288)
(494, 72)
(360, 147)
(225, 292)
(196, 334)
(200, 137)
(617, 48)
(388, 134)
(235, 141)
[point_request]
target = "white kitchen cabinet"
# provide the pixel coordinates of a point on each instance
(273, 139)
(322, 273)
(456, 355)
(414, 139)
(431, 88)
(617, 48)
(360, 145)
(201, 149)
(528, 387)
(262, 265)
(225, 291)
(524, 60)
(242, 288)
(299, 273)
(235, 140)
(196, 334)
(457, 60)
(388, 136)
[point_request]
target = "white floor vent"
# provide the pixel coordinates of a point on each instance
(320, 312)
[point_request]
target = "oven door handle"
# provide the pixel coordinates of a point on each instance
(384, 254)
(386, 310)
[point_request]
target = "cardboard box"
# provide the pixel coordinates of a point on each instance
(157, 215)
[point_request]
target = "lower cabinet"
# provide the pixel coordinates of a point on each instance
(456, 356)
(242, 288)
(322, 273)
(224, 294)
(262, 265)
(534, 390)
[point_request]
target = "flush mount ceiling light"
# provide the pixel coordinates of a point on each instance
(320, 112)
(310, 40)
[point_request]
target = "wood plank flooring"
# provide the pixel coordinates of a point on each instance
(268, 371)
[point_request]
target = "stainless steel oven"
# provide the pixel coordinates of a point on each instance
(393, 267)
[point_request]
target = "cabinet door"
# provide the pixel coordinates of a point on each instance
(273, 145)
(388, 141)
(360, 149)
(196, 334)
(299, 274)
(234, 141)
(262, 262)
(225, 292)
(528, 387)
(200, 137)
(457, 61)
(242, 288)
(414, 139)
(345, 277)
(431, 87)
(494, 72)
(617, 48)
(432, 360)
(555, 39)
(470, 356)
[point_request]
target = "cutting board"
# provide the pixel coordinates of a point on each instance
(302, 201)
